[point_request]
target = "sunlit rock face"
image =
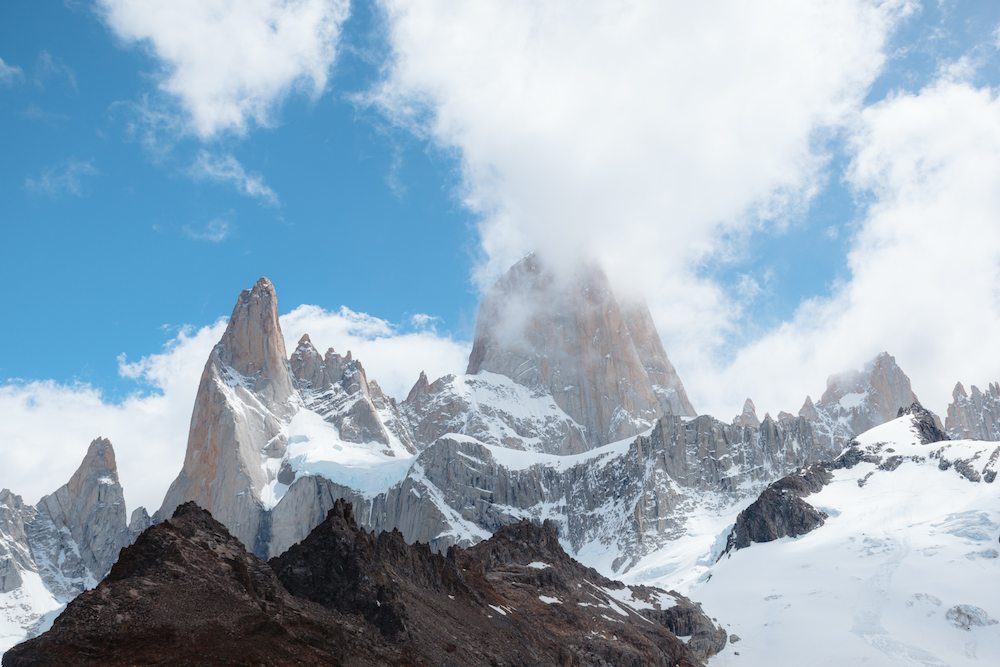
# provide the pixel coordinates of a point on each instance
(975, 416)
(236, 440)
(570, 337)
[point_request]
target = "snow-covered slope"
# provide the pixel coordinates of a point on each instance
(493, 409)
(905, 569)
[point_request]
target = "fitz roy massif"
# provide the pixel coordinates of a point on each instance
(561, 503)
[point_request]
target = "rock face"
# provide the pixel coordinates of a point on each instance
(245, 398)
(77, 531)
(632, 498)
(926, 423)
(602, 363)
(780, 510)
(516, 598)
(975, 417)
(15, 552)
(493, 409)
(189, 593)
(64, 545)
(337, 388)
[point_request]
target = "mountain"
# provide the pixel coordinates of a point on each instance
(898, 565)
(856, 401)
(187, 592)
(55, 550)
(236, 441)
(600, 360)
(529, 433)
(465, 455)
(976, 417)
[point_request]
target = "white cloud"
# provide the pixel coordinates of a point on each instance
(230, 64)
(10, 74)
(391, 357)
(652, 135)
(66, 177)
(47, 426)
(226, 168)
(925, 265)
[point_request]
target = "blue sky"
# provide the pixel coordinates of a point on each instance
(115, 245)
(793, 186)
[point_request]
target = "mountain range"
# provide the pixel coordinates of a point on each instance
(570, 416)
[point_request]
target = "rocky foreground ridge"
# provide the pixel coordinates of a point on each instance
(187, 592)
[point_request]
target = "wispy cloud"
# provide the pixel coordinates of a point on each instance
(424, 320)
(229, 65)
(226, 168)
(654, 136)
(34, 112)
(218, 229)
(10, 74)
(48, 66)
(63, 178)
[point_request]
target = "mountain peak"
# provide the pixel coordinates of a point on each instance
(253, 345)
(570, 336)
(749, 415)
(99, 463)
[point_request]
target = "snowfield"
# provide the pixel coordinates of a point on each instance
(905, 570)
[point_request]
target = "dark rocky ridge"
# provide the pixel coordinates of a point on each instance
(780, 510)
(482, 606)
(926, 423)
(188, 593)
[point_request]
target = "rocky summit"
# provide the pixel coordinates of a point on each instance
(187, 592)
